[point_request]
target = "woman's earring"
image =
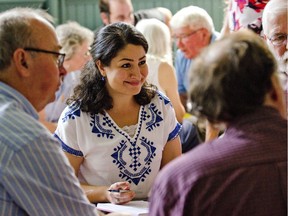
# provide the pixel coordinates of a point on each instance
(103, 78)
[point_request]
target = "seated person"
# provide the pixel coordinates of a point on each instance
(118, 130)
(235, 83)
(193, 30)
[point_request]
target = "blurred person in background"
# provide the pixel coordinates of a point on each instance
(75, 41)
(275, 29)
(162, 74)
(122, 11)
(192, 29)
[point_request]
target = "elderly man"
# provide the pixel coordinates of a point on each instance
(36, 178)
(275, 28)
(234, 83)
(193, 29)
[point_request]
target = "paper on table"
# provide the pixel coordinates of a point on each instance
(135, 208)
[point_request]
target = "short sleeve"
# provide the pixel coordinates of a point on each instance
(171, 125)
(67, 130)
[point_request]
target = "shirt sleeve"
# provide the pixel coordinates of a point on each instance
(66, 131)
(40, 180)
(171, 125)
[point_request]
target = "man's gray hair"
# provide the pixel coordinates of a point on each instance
(272, 9)
(193, 16)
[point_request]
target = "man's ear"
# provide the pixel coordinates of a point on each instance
(105, 18)
(101, 68)
(275, 97)
(20, 59)
(206, 36)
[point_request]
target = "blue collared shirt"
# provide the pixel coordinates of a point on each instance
(182, 65)
(35, 175)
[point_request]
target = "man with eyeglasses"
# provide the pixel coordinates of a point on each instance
(36, 178)
(275, 28)
(192, 29)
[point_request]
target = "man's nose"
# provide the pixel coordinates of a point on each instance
(62, 71)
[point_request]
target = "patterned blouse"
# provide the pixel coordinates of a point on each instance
(246, 14)
(110, 154)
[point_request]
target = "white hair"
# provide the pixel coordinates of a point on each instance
(158, 37)
(272, 9)
(192, 16)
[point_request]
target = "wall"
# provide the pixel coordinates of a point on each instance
(87, 14)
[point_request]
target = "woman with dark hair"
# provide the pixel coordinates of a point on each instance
(118, 131)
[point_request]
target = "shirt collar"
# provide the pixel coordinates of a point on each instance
(9, 92)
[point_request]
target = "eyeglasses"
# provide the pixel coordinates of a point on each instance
(278, 39)
(60, 56)
(184, 36)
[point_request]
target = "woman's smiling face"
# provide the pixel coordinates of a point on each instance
(127, 71)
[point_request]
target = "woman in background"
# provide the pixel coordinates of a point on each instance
(162, 74)
(75, 41)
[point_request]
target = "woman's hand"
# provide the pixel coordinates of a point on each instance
(120, 193)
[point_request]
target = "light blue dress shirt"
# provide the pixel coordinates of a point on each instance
(35, 175)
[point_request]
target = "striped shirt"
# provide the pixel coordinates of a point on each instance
(35, 175)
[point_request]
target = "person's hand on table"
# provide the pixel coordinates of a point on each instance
(120, 193)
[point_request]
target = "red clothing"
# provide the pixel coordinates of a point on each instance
(242, 173)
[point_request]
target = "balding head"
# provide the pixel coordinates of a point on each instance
(16, 28)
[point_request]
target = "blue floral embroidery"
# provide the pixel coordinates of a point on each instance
(139, 169)
(165, 99)
(98, 129)
(155, 117)
(74, 110)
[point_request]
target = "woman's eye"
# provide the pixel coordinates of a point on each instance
(142, 62)
(126, 65)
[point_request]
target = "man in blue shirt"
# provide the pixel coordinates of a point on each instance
(35, 177)
(192, 29)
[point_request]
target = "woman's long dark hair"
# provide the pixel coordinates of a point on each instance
(91, 93)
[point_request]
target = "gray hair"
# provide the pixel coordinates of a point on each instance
(71, 35)
(16, 31)
(193, 16)
(272, 9)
